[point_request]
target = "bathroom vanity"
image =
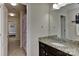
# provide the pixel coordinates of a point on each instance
(58, 47)
(45, 50)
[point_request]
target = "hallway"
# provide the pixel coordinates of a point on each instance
(14, 47)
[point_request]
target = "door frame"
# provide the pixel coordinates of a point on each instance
(4, 34)
(64, 36)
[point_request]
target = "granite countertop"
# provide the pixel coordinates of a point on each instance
(67, 46)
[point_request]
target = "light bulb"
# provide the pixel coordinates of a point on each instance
(11, 14)
(55, 6)
(13, 4)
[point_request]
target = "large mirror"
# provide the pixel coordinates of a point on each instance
(64, 20)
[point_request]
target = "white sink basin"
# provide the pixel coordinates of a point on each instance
(58, 44)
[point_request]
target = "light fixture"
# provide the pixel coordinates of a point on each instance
(13, 4)
(59, 5)
(11, 14)
(55, 6)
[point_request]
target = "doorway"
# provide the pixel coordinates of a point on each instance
(16, 38)
(63, 30)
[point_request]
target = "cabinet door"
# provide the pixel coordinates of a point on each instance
(49, 54)
(50, 51)
(45, 50)
(42, 51)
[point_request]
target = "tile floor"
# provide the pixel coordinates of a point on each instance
(14, 47)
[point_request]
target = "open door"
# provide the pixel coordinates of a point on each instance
(3, 30)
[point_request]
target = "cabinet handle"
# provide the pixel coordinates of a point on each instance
(43, 51)
(46, 54)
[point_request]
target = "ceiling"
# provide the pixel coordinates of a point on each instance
(15, 9)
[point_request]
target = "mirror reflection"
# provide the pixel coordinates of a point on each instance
(64, 20)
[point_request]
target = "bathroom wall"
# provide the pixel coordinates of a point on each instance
(37, 26)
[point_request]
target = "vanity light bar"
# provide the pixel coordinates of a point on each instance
(59, 5)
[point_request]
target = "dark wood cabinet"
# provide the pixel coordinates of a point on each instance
(45, 50)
